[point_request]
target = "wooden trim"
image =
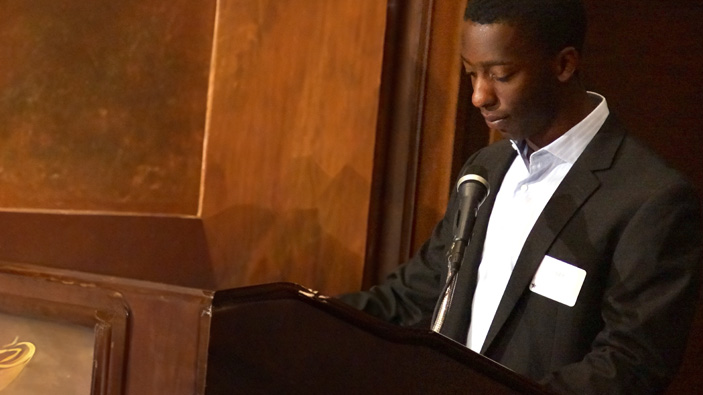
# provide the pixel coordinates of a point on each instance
(399, 123)
(439, 119)
(414, 147)
(110, 346)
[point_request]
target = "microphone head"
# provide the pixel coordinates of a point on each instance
(474, 177)
(472, 190)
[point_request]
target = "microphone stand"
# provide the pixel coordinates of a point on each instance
(456, 254)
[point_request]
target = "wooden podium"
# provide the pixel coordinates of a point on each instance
(101, 334)
(285, 339)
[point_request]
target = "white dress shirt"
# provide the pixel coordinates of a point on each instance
(527, 187)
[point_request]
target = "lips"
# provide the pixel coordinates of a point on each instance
(493, 120)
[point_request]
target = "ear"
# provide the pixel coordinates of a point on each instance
(567, 62)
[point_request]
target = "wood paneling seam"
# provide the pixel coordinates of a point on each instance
(208, 109)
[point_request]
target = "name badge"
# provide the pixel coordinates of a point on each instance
(558, 280)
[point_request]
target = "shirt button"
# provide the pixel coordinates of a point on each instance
(523, 188)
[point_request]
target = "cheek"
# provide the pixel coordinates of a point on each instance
(515, 94)
(513, 99)
(529, 98)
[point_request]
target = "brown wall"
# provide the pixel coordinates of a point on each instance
(290, 141)
(102, 104)
(253, 119)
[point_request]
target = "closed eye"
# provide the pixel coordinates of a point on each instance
(502, 77)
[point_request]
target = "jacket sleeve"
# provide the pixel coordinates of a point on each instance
(408, 295)
(649, 301)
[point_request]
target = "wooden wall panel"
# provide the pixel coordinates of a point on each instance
(102, 104)
(290, 140)
(167, 249)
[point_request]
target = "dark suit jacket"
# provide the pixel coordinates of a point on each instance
(634, 226)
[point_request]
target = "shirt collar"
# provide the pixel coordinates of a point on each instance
(569, 146)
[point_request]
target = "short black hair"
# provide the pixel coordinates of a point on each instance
(555, 23)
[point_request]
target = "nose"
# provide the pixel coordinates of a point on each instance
(484, 94)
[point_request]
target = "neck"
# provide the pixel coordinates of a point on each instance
(573, 108)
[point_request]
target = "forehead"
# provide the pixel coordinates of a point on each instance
(495, 43)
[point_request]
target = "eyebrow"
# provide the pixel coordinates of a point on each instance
(490, 63)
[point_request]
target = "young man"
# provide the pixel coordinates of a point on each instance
(584, 263)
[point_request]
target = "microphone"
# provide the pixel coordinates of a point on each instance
(472, 190)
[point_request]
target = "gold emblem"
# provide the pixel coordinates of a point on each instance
(13, 358)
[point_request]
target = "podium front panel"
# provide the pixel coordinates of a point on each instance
(284, 339)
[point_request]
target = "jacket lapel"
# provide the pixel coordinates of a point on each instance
(578, 185)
